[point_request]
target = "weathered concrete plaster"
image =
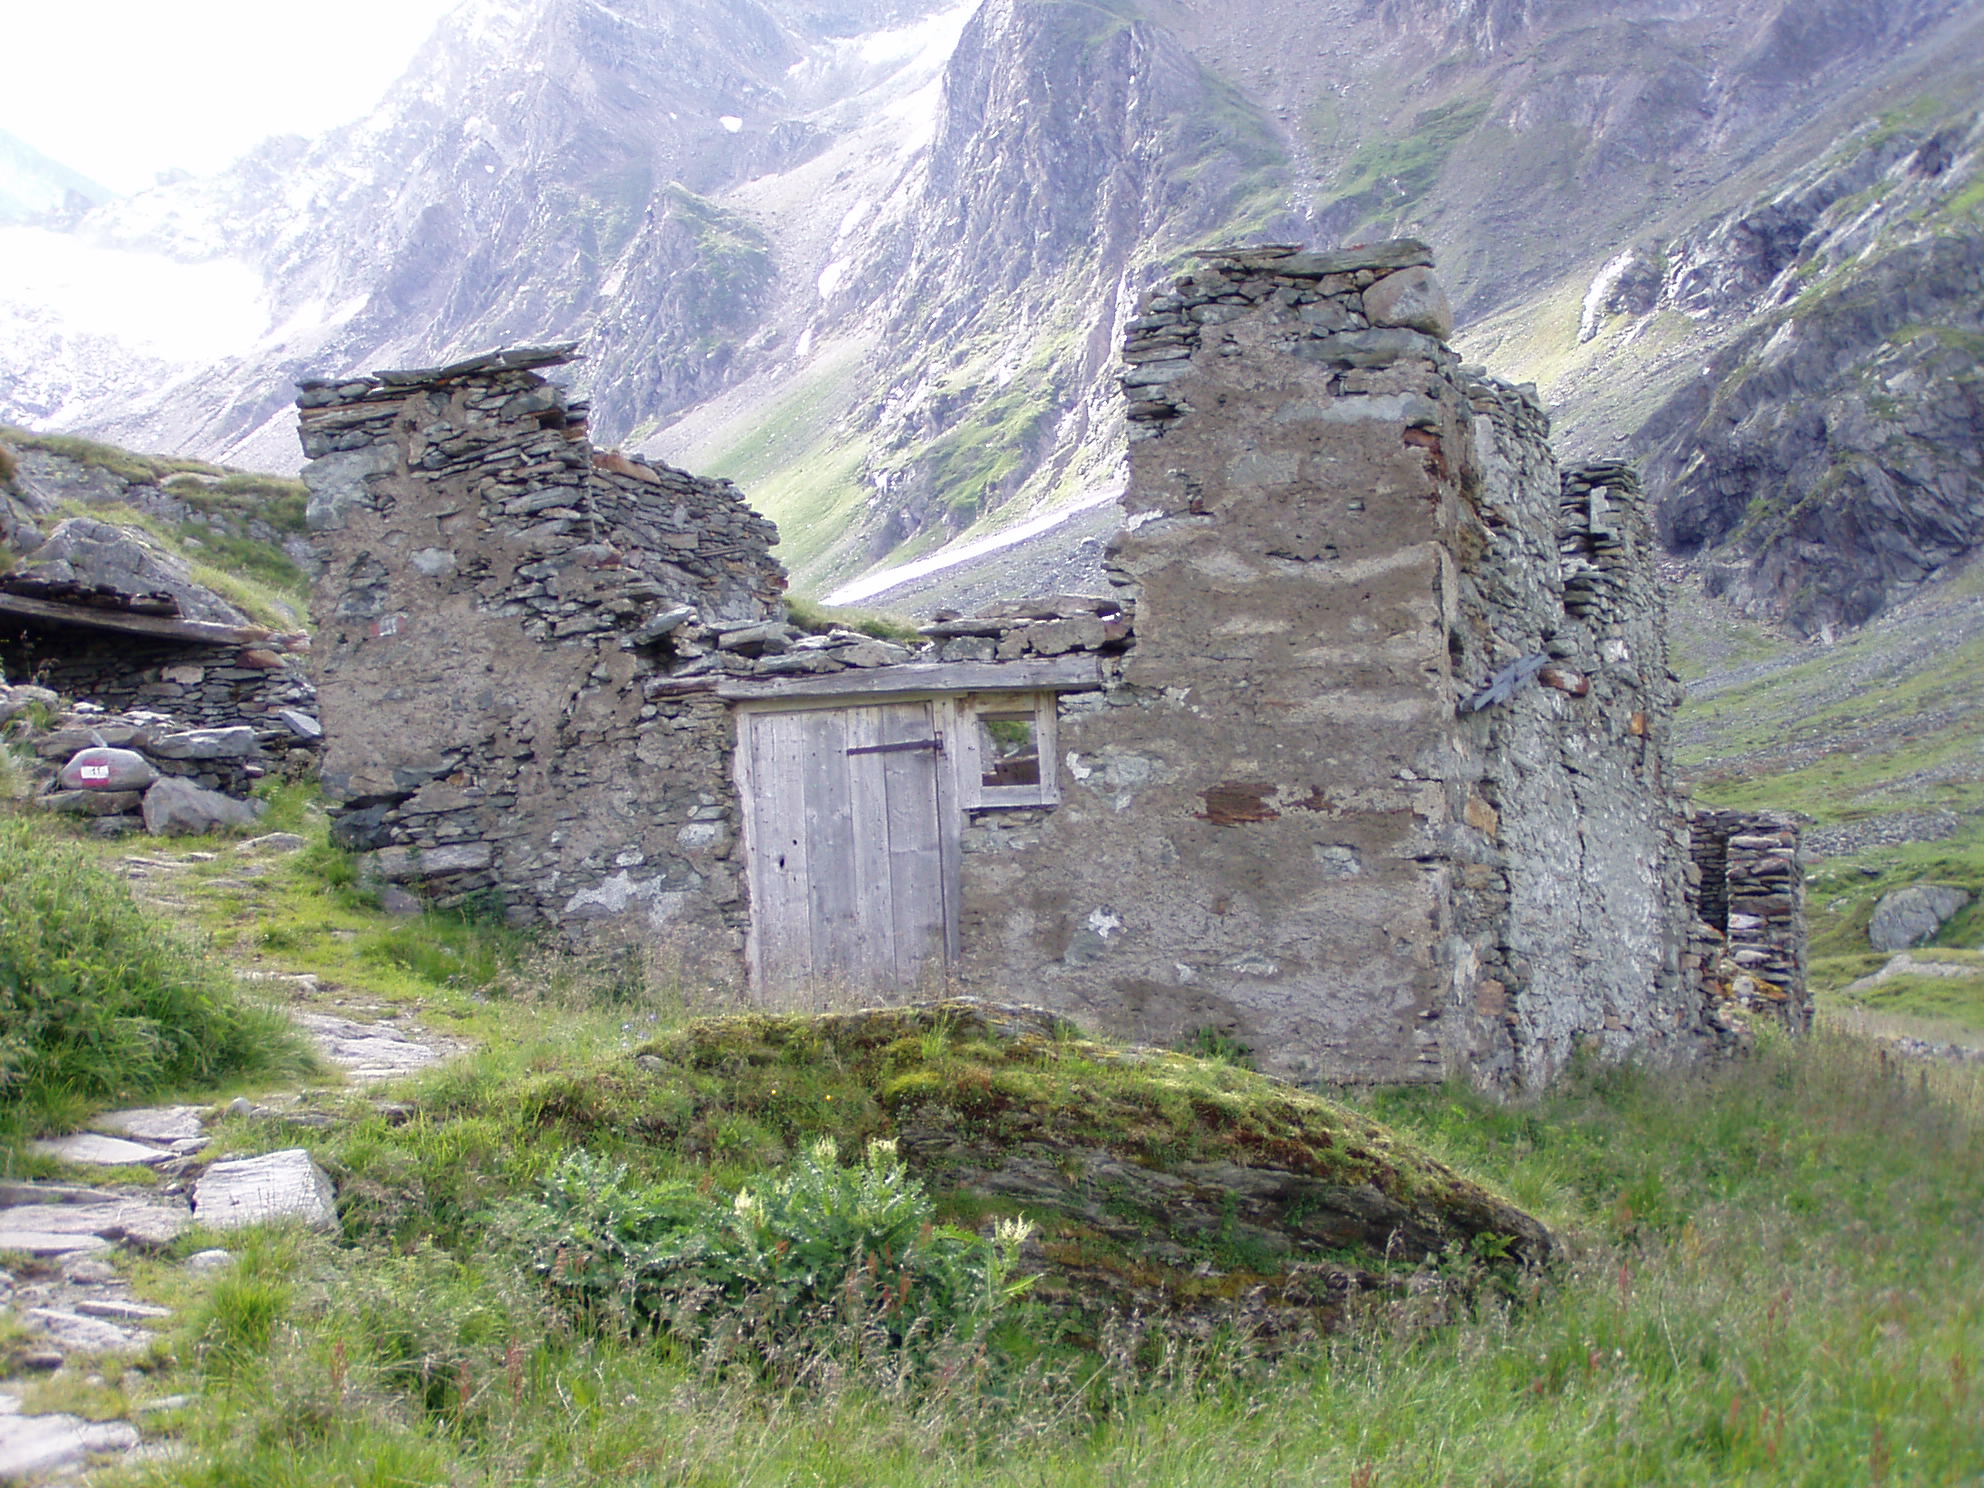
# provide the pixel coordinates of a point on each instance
(1278, 825)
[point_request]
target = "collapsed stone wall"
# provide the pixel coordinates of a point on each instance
(1282, 819)
(495, 601)
(1750, 897)
(206, 686)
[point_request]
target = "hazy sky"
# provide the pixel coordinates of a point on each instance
(123, 89)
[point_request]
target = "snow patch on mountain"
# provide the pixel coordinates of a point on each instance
(154, 304)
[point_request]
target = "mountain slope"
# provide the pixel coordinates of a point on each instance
(36, 189)
(874, 263)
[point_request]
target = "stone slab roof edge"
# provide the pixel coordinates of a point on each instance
(201, 632)
(1300, 263)
(509, 359)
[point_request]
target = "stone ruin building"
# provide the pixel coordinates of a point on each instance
(144, 708)
(1362, 764)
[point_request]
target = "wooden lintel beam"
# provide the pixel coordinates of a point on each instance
(158, 627)
(1048, 674)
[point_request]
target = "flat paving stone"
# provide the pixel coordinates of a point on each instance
(121, 1310)
(266, 1190)
(52, 1193)
(164, 1124)
(33, 1445)
(45, 1244)
(140, 1221)
(74, 1331)
(368, 1051)
(95, 1150)
(39, 1444)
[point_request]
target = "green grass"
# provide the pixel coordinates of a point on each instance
(1393, 170)
(1776, 1282)
(254, 576)
(101, 1000)
(144, 469)
(810, 615)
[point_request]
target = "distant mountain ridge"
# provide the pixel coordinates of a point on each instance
(873, 260)
(36, 189)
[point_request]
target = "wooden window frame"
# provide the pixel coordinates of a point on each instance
(969, 758)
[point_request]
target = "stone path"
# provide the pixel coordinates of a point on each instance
(69, 1289)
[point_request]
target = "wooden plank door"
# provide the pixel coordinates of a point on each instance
(850, 848)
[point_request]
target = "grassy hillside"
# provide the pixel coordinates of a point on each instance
(1878, 741)
(228, 526)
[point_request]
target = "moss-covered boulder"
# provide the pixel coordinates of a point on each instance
(1157, 1180)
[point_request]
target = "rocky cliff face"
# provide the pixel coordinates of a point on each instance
(1832, 457)
(871, 258)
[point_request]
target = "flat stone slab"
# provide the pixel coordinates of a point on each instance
(30, 1445)
(94, 1150)
(121, 1310)
(85, 1334)
(53, 1193)
(165, 1124)
(140, 1221)
(278, 1187)
(48, 1243)
(367, 1051)
(1907, 965)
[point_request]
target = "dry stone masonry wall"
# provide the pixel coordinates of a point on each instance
(1751, 900)
(494, 600)
(207, 686)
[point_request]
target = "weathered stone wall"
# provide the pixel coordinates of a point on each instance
(1278, 822)
(209, 687)
(493, 606)
(1573, 868)
(1363, 766)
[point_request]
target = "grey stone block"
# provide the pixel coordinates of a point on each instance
(273, 1189)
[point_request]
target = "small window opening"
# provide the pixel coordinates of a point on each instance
(1009, 749)
(1006, 756)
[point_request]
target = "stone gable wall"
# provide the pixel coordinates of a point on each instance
(1283, 822)
(485, 580)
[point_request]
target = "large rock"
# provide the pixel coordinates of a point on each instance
(1158, 1182)
(107, 770)
(83, 550)
(1911, 916)
(92, 802)
(239, 742)
(1411, 298)
(178, 808)
(280, 1187)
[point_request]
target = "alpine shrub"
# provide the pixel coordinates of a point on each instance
(815, 1253)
